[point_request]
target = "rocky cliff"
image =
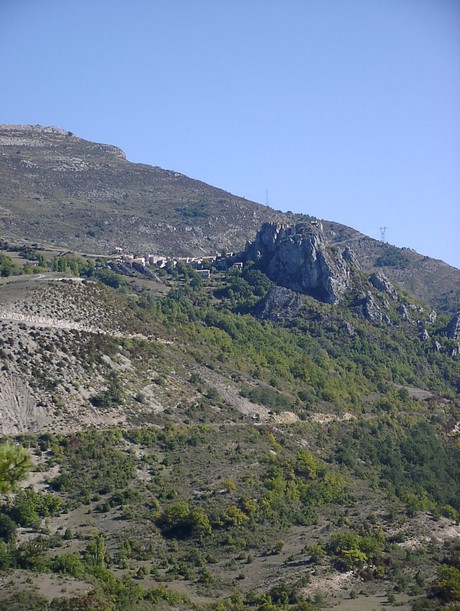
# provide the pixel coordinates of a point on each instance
(297, 257)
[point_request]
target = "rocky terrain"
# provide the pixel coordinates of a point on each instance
(259, 410)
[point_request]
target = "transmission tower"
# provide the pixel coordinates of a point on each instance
(382, 234)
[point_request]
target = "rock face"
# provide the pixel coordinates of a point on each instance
(381, 283)
(453, 328)
(296, 257)
(371, 310)
(279, 304)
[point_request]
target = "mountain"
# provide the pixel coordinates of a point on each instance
(59, 190)
(277, 430)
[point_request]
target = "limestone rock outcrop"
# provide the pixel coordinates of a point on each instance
(453, 328)
(381, 283)
(279, 304)
(297, 258)
(432, 317)
(371, 310)
(424, 335)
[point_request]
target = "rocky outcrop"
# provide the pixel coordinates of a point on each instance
(297, 258)
(371, 310)
(279, 304)
(453, 328)
(349, 256)
(404, 313)
(424, 335)
(432, 317)
(381, 283)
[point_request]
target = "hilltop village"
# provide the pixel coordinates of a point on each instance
(201, 265)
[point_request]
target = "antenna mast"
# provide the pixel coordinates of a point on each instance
(382, 234)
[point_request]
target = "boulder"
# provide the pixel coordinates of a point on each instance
(423, 335)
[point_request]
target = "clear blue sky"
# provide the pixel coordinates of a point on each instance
(345, 109)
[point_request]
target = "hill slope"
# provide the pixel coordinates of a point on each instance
(225, 444)
(60, 189)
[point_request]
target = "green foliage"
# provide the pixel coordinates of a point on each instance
(312, 358)
(74, 264)
(447, 585)
(200, 211)
(70, 564)
(180, 520)
(224, 489)
(264, 395)
(14, 465)
(233, 516)
(411, 461)
(110, 397)
(244, 290)
(317, 552)
(7, 528)
(392, 257)
(92, 463)
(109, 278)
(351, 550)
(24, 601)
(307, 465)
(7, 267)
(29, 507)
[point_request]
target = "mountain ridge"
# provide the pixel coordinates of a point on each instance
(61, 190)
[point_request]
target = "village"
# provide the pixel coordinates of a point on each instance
(201, 265)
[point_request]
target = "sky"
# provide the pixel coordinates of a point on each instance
(345, 110)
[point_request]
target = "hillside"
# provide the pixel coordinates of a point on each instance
(275, 429)
(59, 190)
(62, 190)
(226, 443)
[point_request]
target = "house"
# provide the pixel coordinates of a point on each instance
(138, 261)
(157, 260)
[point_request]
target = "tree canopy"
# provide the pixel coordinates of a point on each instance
(14, 466)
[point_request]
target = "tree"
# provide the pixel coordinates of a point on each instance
(7, 528)
(15, 463)
(447, 585)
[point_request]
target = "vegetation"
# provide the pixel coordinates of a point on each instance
(285, 451)
(14, 466)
